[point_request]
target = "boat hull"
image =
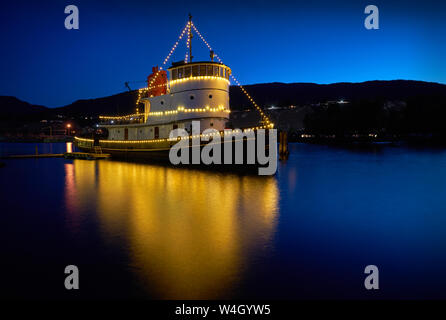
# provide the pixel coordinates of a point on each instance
(160, 154)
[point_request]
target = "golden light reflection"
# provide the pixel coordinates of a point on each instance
(189, 234)
(80, 190)
(69, 146)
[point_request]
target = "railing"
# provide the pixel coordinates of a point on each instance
(127, 119)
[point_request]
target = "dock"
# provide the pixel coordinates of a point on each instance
(86, 155)
(66, 155)
(31, 156)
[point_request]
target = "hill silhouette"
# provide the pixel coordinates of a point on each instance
(266, 94)
(285, 94)
(399, 106)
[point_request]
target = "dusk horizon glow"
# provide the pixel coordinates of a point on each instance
(45, 64)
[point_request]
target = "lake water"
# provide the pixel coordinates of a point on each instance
(146, 231)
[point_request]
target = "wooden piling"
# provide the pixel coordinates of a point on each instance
(283, 145)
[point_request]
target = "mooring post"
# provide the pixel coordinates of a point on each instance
(283, 146)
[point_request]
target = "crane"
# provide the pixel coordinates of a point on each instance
(127, 84)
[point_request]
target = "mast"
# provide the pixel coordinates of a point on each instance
(190, 37)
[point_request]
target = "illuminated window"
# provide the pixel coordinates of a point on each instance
(187, 71)
(215, 71)
(174, 74)
(195, 71)
(180, 73)
(209, 70)
(202, 70)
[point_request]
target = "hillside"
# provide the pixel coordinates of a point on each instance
(389, 107)
(121, 103)
(285, 94)
(13, 107)
(266, 94)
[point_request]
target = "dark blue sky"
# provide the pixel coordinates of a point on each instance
(262, 41)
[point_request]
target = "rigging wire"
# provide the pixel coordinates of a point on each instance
(172, 50)
(189, 26)
(265, 118)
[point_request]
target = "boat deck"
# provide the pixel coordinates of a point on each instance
(86, 155)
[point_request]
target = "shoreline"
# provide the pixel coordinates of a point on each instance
(37, 140)
(357, 143)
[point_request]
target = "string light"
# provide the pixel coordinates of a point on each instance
(198, 78)
(265, 118)
(221, 133)
(168, 112)
(172, 50)
(187, 41)
(126, 117)
(150, 85)
(189, 25)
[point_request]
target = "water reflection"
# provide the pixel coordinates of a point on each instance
(188, 234)
(69, 146)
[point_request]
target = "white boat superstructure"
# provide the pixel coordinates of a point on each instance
(176, 98)
(197, 91)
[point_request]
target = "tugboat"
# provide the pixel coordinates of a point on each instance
(185, 95)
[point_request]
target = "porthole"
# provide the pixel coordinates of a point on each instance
(191, 97)
(162, 102)
(210, 96)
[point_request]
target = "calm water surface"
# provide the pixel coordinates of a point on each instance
(146, 231)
